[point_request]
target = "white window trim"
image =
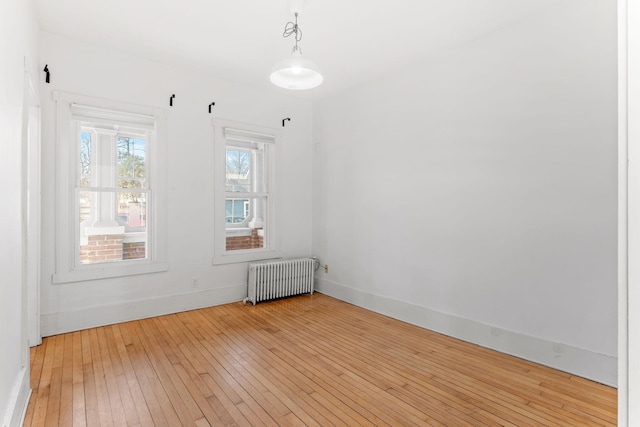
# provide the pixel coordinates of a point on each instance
(66, 238)
(252, 133)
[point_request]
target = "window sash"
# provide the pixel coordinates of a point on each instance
(129, 230)
(259, 211)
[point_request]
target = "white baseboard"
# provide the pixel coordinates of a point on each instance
(584, 363)
(91, 317)
(18, 400)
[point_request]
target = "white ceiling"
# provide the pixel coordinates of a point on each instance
(240, 40)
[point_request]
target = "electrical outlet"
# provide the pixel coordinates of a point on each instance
(326, 268)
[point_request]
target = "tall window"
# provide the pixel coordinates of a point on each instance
(112, 193)
(106, 195)
(245, 192)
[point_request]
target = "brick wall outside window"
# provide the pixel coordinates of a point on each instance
(254, 241)
(133, 250)
(104, 248)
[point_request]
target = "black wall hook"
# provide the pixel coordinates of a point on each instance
(288, 119)
(171, 100)
(46, 70)
(211, 105)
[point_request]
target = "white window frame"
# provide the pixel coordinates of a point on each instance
(67, 238)
(252, 133)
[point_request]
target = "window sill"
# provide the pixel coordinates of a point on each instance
(107, 271)
(247, 255)
(238, 231)
(134, 237)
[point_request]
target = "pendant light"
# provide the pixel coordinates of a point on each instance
(295, 72)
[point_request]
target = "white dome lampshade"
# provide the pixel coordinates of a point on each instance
(296, 72)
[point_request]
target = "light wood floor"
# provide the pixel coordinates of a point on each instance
(308, 360)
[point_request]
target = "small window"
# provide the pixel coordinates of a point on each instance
(246, 232)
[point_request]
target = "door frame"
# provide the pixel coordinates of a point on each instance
(31, 207)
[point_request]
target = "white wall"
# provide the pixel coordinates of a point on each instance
(474, 192)
(90, 70)
(18, 30)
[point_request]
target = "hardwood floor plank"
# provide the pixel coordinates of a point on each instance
(482, 369)
(348, 360)
(226, 368)
(160, 406)
(274, 360)
(204, 405)
(37, 363)
(28, 416)
(119, 387)
(40, 396)
(90, 396)
(308, 399)
(137, 397)
(86, 347)
(190, 369)
(219, 387)
(309, 360)
(55, 386)
(189, 376)
(257, 373)
(110, 381)
(79, 411)
(105, 413)
(66, 391)
(173, 388)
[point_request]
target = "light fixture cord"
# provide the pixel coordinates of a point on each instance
(292, 28)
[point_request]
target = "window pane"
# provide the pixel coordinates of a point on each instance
(246, 223)
(132, 210)
(236, 210)
(85, 158)
(86, 207)
(106, 235)
(238, 171)
(131, 162)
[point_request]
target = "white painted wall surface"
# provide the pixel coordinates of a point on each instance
(18, 30)
(475, 191)
(90, 70)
